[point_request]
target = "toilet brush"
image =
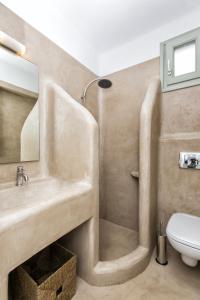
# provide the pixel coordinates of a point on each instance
(161, 246)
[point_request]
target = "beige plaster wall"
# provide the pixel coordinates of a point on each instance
(179, 189)
(120, 112)
(54, 65)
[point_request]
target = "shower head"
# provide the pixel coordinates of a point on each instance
(102, 82)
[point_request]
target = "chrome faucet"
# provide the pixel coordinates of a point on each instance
(21, 177)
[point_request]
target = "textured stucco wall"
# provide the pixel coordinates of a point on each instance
(179, 189)
(120, 142)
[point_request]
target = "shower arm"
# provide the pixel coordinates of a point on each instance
(83, 97)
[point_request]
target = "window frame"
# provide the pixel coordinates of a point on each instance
(167, 48)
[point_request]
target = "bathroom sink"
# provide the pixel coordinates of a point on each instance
(19, 203)
(37, 214)
(37, 192)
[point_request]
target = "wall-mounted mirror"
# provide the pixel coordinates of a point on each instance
(19, 109)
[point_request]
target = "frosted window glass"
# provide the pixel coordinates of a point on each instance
(185, 59)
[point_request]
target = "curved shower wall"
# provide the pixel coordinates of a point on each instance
(148, 164)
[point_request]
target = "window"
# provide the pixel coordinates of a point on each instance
(185, 59)
(180, 61)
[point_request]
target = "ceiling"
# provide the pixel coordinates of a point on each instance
(99, 26)
(109, 23)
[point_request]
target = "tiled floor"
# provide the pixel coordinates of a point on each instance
(175, 281)
(115, 240)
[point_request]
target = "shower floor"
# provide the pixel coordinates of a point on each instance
(115, 240)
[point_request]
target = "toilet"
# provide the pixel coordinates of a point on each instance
(183, 232)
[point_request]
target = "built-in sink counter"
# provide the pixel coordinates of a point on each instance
(35, 215)
(19, 203)
(65, 196)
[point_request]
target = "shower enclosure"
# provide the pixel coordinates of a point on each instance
(127, 238)
(118, 245)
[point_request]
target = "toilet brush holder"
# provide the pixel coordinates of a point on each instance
(161, 247)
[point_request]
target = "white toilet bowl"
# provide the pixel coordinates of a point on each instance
(183, 232)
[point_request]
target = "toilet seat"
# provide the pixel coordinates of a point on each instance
(184, 229)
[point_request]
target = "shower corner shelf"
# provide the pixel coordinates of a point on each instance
(135, 174)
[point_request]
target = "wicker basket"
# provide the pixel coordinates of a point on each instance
(49, 275)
